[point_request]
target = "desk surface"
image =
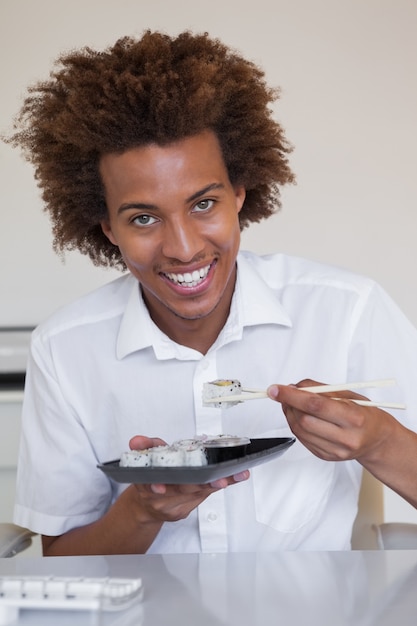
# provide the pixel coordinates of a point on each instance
(290, 588)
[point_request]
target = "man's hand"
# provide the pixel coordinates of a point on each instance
(170, 503)
(334, 430)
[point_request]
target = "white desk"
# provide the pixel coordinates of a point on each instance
(290, 588)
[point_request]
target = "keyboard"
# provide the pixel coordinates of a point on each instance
(66, 592)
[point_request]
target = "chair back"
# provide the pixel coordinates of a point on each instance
(370, 513)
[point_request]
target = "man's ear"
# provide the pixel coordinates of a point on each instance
(106, 228)
(240, 194)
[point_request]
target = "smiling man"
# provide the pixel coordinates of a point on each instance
(173, 214)
(152, 156)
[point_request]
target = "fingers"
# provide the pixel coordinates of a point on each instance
(331, 429)
(140, 442)
(163, 502)
(222, 483)
(158, 489)
(215, 485)
(168, 503)
(318, 405)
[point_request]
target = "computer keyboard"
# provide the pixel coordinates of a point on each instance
(66, 592)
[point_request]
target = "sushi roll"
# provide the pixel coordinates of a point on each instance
(221, 387)
(195, 455)
(136, 458)
(186, 443)
(167, 456)
(195, 452)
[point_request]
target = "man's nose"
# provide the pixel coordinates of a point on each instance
(182, 241)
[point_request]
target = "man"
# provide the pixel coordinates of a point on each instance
(152, 156)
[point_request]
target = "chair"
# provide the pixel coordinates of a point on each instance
(370, 532)
(396, 536)
(14, 539)
(370, 513)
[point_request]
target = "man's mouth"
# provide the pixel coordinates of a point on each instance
(189, 279)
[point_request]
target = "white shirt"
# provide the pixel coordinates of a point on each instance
(100, 371)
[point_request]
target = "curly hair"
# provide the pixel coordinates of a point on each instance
(157, 89)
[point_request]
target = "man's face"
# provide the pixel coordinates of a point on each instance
(173, 213)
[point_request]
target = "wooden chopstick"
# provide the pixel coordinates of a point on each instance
(238, 397)
(385, 382)
(381, 405)
(256, 394)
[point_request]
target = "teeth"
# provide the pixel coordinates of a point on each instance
(189, 279)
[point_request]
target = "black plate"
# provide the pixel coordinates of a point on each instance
(258, 451)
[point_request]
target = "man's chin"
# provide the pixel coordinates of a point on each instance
(191, 316)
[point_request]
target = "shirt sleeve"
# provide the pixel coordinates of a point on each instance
(56, 457)
(384, 345)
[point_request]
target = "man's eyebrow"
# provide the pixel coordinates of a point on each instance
(205, 190)
(153, 207)
(136, 205)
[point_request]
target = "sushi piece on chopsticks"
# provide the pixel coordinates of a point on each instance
(230, 392)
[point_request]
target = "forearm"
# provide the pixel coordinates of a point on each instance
(394, 462)
(124, 529)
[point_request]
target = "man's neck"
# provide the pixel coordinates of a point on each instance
(199, 333)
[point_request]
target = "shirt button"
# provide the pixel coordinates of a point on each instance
(205, 364)
(212, 517)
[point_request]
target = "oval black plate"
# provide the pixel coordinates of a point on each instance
(258, 451)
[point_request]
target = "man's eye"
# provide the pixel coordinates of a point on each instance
(204, 205)
(144, 220)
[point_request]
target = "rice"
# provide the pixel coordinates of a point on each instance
(195, 455)
(184, 453)
(136, 458)
(218, 388)
(167, 456)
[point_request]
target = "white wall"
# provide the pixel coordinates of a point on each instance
(347, 69)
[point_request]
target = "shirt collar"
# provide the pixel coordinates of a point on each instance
(138, 331)
(135, 332)
(254, 302)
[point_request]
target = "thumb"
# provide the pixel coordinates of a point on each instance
(140, 442)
